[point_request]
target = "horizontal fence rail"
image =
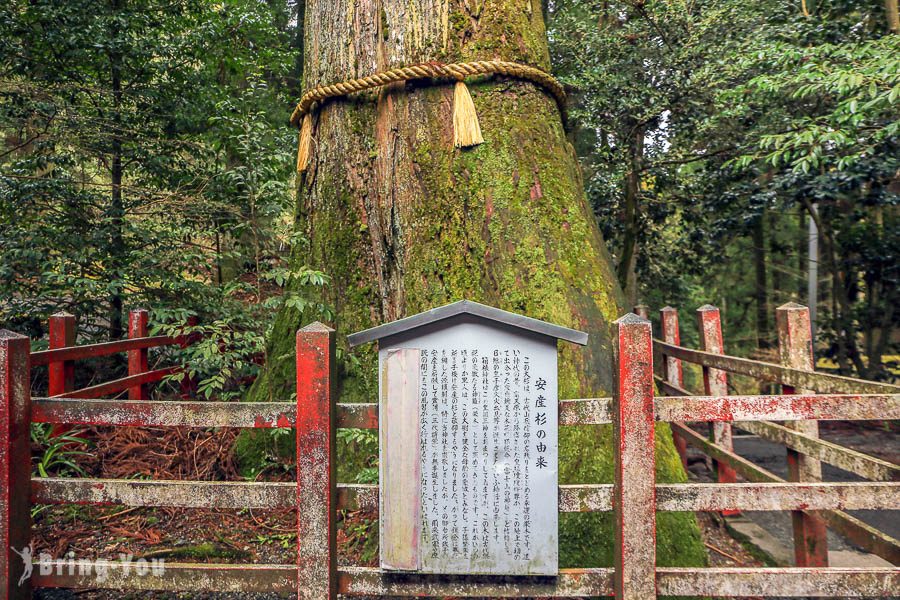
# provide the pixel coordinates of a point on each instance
(122, 384)
(844, 407)
(807, 380)
(45, 357)
(164, 413)
(591, 411)
(868, 467)
(697, 497)
(571, 583)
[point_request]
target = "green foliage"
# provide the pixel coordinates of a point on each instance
(57, 454)
(362, 536)
(261, 451)
(146, 163)
(358, 454)
(712, 131)
(843, 101)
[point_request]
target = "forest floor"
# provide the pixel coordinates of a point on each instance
(263, 536)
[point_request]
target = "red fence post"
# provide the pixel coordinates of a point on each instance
(316, 461)
(672, 370)
(62, 335)
(795, 350)
(61, 373)
(15, 466)
(715, 383)
(138, 359)
(635, 465)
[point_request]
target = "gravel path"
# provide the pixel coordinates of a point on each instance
(771, 456)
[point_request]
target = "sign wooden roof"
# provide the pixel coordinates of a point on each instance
(467, 307)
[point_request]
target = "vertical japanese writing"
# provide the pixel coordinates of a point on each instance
(540, 419)
(488, 454)
(445, 457)
(488, 450)
(434, 412)
(526, 455)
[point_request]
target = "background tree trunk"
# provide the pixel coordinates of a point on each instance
(402, 222)
(761, 291)
(627, 268)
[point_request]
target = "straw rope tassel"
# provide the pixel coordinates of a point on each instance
(466, 129)
(304, 143)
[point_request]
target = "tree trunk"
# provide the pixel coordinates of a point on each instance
(402, 221)
(295, 81)
(893, 15)
(627, 268)
(761, 288)
(116, 207)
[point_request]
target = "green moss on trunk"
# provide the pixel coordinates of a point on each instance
(404, 222)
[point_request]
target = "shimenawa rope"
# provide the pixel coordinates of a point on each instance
(466, 129)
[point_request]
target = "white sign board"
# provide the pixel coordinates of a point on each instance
(468, 420)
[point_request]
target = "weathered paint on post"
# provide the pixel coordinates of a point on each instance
(795, 351)
(15, 465)
(635, 465)
(138, 359)
(62, 335)
(715, 382)
(316, 461)
(672, 370)
(61, 374)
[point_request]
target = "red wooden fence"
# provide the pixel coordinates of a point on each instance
(800, 437)
(60, 358)
(633, 413)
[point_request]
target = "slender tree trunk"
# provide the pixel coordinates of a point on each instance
(117, 208)
(761, 289)
(403, 222)
(296, 81)
(893, 15)
(845, 330)
(627, 268)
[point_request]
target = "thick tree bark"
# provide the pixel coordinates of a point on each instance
(402, 222)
